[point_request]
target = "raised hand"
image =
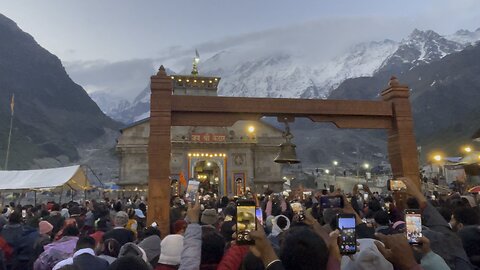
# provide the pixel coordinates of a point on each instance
(193, 212)
(396, 249)
(262, 247)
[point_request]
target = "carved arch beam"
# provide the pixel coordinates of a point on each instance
(278, 106)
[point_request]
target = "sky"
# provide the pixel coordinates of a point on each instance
(111, 36)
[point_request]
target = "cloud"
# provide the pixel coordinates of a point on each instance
(122, 79)
(319, 40)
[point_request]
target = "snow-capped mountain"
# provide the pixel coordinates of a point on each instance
(421, 47)
(288, 75)
(138, 109)
(109, 104)
(465, 37)
(285, 75)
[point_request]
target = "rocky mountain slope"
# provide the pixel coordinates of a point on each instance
(444, 96)
(54, 117)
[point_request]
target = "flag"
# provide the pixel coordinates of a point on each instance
(12, 103)
(182, 180)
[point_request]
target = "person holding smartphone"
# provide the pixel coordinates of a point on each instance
(447, 244)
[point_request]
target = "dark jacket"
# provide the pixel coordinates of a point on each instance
(122, 235)
(443, 241)
(24, 251)
(12, 233)
(89, 262)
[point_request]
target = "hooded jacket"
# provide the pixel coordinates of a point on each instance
(55, 252)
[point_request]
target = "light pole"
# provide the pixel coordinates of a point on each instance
(327, 171)
(335, 163)
(436, 158)
(367, 174)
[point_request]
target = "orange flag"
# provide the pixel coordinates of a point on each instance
(12, 103)
(182, 180)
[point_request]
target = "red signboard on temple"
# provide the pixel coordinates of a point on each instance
(207, 137)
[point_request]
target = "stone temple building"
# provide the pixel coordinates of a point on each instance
(226, 160)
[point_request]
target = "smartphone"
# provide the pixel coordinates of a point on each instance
(259, 214)
(413, 222)
(298, 210)
(246, 221)
(24, 213)
(192, 190)
(396, 185)
(347, 241)
(331, 202)
(360, 186)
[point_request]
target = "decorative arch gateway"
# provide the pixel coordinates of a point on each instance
(393, 113)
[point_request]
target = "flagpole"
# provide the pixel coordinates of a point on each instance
(9, 133)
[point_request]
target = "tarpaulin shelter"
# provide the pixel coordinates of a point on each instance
(72, 177)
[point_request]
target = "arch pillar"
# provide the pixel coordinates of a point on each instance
(159, 151)
(402, 147)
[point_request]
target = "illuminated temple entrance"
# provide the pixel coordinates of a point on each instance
(210, 171)
(240, 155)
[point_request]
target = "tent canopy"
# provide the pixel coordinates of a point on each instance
(73, 177)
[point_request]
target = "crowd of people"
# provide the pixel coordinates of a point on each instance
(113, 234)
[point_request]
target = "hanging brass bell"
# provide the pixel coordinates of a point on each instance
(287, 153)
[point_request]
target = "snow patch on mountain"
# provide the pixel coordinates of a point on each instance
(465, 37)
(286, 75)
(109, 104)
(421, 47)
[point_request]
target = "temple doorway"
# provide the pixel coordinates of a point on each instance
(209, 174)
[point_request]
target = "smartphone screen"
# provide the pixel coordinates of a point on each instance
(396, 185)
(192, 190)
(331, 202)
(413, 221)
(246, 222)
(297, 208)
(348, 240)
(259, 214)
(360, 186)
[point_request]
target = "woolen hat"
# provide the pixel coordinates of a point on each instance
(130, 249)
(151, 246)
(179, 225)
(139, 213)
(121, 219)
(44, 227)
(209, 217)
(171, 249)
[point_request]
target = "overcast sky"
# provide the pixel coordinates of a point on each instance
(89, 35)
(121, 29)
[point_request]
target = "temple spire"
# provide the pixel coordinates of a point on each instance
(196, 59)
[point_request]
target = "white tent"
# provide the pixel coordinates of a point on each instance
(73, 177)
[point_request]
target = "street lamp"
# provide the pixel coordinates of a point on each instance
(251, 129)
(467, 149)
(335, 163)
(367, 174)
(435, 158)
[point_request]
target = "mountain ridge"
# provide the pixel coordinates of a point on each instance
(53, 116)
(279, 74)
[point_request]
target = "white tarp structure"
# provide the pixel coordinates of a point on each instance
(72, 177)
